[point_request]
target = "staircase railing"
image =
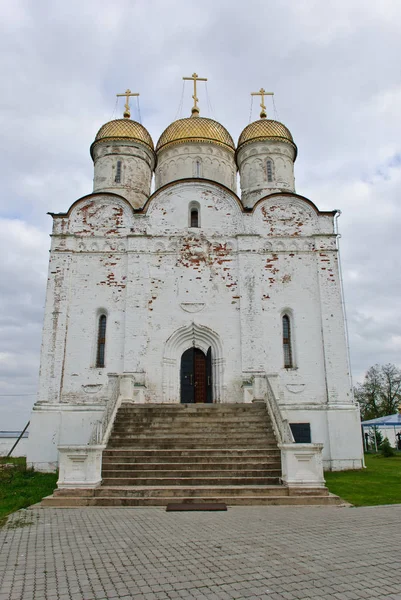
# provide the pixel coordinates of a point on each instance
(102, 428)
(281, 426)
(301, 464)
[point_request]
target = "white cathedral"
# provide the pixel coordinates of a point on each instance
(195, 293)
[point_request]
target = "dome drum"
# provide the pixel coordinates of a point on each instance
(124, 160)
(265, 157)
(196, 147)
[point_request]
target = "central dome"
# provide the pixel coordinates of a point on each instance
(195, 129)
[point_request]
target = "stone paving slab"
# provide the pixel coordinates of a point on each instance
(273, 553)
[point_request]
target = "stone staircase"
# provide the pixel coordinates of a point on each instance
(189, 453)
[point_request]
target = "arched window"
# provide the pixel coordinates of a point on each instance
(117, 178)
(101, 341)
(194, 214)
(269, 170)
(194, 217)
(288, 364)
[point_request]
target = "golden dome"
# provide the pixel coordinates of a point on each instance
(195, 129)
(266, 129)
(123, 129)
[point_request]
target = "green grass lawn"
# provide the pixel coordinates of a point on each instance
(20, 487)
(379, 483)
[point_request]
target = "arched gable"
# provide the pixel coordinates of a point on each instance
(286, 215)
(290, 195)
(220, 211)
(180, 182)
(96, 214)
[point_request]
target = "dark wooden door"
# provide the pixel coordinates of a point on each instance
(187, 377)
(209, 395)
(200, 375)
(196, 380)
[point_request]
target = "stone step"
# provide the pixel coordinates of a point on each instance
(229, 441)
(191, 413)
(191, 427)
(183, 463)
(191, 481)
(191, 466)
(178, 474)
(163, 501)
(183, 445)
(224, 437)
(194, 411)
(191, 434)
(185, 490)
(234, 417)
(193, 454)
(195, 478)
(227, 407)
(188, 415)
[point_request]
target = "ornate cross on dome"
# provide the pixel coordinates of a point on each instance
(194, 78)
(127, 94)
(262, 93)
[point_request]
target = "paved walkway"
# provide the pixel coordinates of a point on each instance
(274, 553)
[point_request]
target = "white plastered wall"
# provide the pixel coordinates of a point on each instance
(225, 284)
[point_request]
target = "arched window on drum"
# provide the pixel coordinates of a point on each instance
(269, 170)
(198, 168)
(117, 178)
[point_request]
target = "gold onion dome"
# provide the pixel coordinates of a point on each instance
(264, 130)
(123, 130)
(195, 129)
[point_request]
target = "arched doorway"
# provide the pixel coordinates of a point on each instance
(196, 376)
(192, 335)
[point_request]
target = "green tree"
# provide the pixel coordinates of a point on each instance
(386, 448)
(380, 392)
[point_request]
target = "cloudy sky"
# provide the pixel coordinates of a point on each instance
(334, 67)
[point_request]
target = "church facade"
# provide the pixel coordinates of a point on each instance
(195, 293)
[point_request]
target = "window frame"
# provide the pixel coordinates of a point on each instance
(198, 168)
(100, 361)
(270, 170)
(287, 340)
(119, 172)
(192, 207)
(194, 217)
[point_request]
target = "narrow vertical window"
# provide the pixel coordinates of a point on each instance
(101, 341)
(117, 178)
(194, 217)
(287, 342)
(269, 168)
(198, 168)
